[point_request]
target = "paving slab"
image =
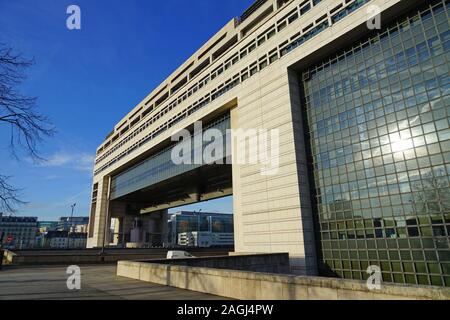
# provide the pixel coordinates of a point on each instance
(97, 283)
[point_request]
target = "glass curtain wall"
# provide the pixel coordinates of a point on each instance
(379, 127)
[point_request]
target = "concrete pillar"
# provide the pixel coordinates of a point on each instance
(98, 224)
(272, 213)
(116, 231)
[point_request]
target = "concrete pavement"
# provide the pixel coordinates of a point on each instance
(97, 283)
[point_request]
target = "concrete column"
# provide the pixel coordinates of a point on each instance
(307, 219)
(101, 209)
(272, 213)
(164, 227)
(116, 238)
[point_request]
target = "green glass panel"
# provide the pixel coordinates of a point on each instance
(374, 142)
(421, 267)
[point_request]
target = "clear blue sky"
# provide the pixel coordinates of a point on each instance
(87, 80)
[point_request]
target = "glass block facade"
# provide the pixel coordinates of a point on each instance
(379, 127)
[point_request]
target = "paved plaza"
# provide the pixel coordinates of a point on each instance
(97, 283)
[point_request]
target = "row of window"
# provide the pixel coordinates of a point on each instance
(411, 92)
(395, 158)
(420, 273)
(364, 175)
(392, 233)
(388, 124)
(357, 224)
(405, 34)
(159, 167)
(392, 256)
(271, 57)
(18, 230)
(258, 41)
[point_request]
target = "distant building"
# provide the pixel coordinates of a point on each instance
(73, 224)
(45, 226)
(65, 240)
(82, 228)
(187, 228)
(18, 232)
(205, 239)
(39, 242)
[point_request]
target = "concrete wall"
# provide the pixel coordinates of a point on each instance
(273, 263)
(265, 286)
(269, 210)
(64, 257)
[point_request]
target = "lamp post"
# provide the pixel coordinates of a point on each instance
(70, 225)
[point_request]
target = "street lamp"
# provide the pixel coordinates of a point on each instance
(70, 225)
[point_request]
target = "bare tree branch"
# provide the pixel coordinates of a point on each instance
(9, 196)
(28, 128)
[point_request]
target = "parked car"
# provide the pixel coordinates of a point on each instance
(171, 255)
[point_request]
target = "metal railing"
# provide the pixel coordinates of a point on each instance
(255, 6)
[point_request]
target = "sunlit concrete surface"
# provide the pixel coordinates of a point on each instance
(97, 283)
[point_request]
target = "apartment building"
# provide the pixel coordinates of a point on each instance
(17, 232)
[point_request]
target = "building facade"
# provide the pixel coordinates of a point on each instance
(206, 239)
(201, 229)
(378, 115)
(65, 240)
(73, 223)
(45, 226)
(362, 111)
(18, 232)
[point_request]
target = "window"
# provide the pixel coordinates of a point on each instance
(305, 9)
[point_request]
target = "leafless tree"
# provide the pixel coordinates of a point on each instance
(27, 127)
(9, 196)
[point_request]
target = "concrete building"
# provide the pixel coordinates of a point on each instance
(65, 240)
(204, 229)
(73, 223)
(45, 226)
(17, 232)
(81, 228)
(362, 115)
(206, 239)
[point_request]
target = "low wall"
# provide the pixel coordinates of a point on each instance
(269, 263)
(247, 285)
(95, 256)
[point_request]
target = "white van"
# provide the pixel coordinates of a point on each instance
(179, 255)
